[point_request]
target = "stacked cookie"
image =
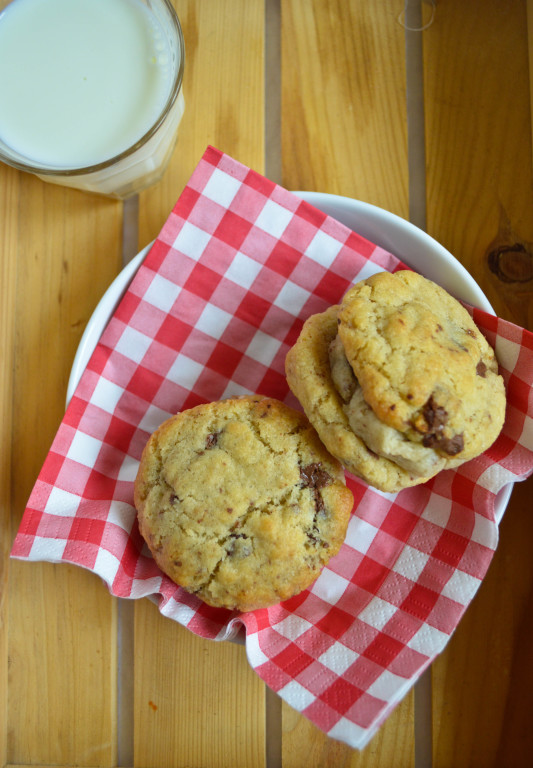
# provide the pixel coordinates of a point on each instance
(398, 381)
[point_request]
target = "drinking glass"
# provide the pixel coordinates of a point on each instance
(139, 163)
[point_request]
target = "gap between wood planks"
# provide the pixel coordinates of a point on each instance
(412, 19)
(416, 165)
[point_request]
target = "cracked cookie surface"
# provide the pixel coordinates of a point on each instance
(240, 503)
(423, 366)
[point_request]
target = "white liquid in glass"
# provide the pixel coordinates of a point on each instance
(80, 80)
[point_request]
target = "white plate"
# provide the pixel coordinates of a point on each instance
(394, 234)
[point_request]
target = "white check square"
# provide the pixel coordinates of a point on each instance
(292, 627)
(128, 469)
(428, 640)
(338, 658)
(360, 534)
(461, 587)
(213, 321)
(291, 298)
(273, 219)
(133, 344)
(106, 565)
(153, 418)
(329, 586)
(387, 685)
(263, 348)
(185, 371)
(191, 241)
(106, 395)
(50, 550)
(377, 613)
(62, 503)
(243, 270)
(296, 695)
(84, 449)
(162, 293)
(410, 563)
(221, 188)
(323, 249)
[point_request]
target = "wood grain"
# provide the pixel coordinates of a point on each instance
(197, 702)
(345, 135)
(480, 201)
(61, 643)
(305, 745)
(203, 687)
(478, 127)
(8, 272)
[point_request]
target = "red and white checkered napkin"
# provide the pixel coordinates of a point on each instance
(220, 298)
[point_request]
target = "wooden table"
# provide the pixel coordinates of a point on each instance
(329, 95)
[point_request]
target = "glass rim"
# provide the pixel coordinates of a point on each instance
(44, 170)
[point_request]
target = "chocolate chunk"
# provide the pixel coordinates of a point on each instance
(211, 440)
(449, 445)
(481, 369)
(314, 538)
(453, 445)
(435, 415)
(320, 507)
(313, 476)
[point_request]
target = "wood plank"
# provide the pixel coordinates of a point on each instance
(62, 691)
(478, 129)
(62, 644)
(346, 135)
(8, 281)
(223, 89)
(196, 701)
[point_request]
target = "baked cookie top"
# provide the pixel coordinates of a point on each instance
(240, 503)
(424, 367)
(310, 376)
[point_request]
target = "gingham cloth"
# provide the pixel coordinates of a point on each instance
(220, 298)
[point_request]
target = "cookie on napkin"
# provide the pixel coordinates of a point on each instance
(240, 503)
(398, 381)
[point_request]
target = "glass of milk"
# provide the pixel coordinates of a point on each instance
(90, 91)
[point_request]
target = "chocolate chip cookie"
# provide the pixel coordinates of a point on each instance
(240, 503)
(398, 372)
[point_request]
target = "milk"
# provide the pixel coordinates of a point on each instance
(83, 80)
